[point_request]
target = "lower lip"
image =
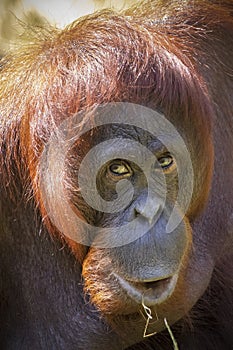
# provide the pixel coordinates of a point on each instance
(150, 293)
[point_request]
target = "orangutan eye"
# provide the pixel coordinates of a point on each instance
(119, 168)
(166, 162)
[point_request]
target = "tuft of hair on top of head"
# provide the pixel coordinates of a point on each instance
(108, 56)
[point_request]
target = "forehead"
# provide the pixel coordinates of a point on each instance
(122, 131)
(123, 122)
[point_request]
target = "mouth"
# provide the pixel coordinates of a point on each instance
(150, 292)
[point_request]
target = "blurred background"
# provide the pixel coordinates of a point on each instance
(58, 12)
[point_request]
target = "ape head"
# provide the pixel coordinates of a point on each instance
(119, 88)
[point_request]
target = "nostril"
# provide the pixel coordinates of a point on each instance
(136, 213)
